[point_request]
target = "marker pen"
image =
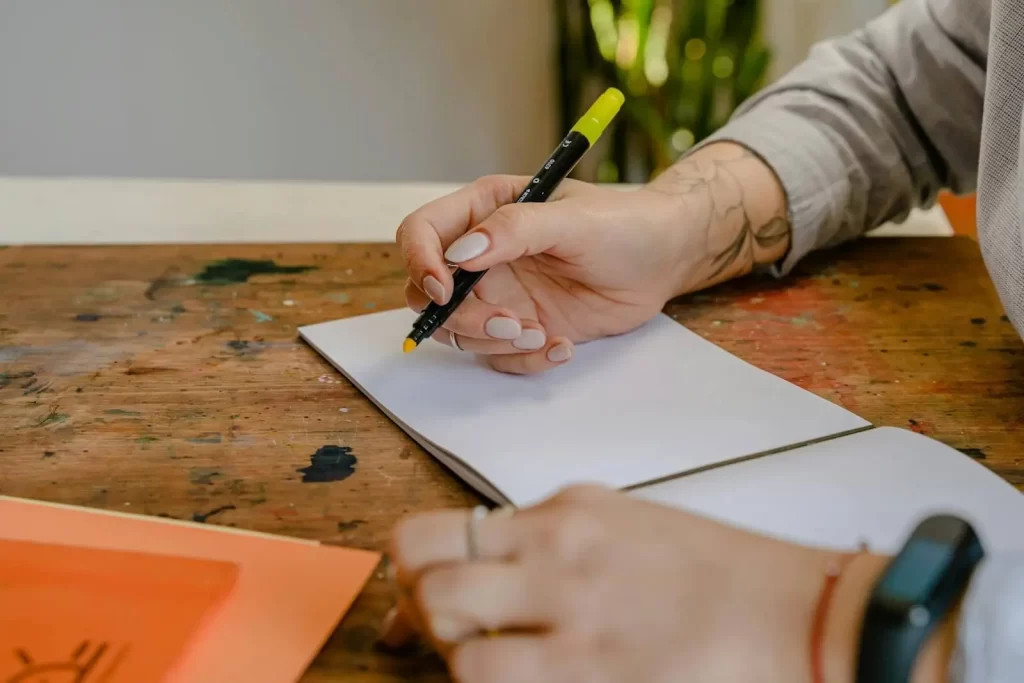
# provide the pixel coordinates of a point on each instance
(556, 169)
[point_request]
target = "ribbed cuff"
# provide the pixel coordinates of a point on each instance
(990, 637)
(806, 162)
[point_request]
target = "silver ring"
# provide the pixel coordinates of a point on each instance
(454, 340)
(472, 533)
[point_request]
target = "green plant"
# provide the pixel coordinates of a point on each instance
(685, 65)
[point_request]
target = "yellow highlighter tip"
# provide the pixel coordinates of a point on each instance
(408, 345)
(600, 114)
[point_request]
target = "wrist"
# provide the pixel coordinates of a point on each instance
(842, 632)
(842, 627)
(732, 214)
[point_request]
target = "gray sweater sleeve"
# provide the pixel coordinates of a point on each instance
(990, 636)
(871, 125)
(874, 123)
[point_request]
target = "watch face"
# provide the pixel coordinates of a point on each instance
(912, 577)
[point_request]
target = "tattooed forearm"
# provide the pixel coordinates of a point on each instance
(734, 201)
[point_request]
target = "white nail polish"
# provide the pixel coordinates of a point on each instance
(468, 247)
(530, 340)
(389, 621)
(434, 289)
(503, 328)
(446, 629)
(560, 353)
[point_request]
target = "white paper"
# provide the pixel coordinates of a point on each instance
(630, 409)
(874, 486)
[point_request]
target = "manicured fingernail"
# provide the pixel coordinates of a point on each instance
(530, 340)
(559, 353)
(468, 247)
(392, 572)
(389, 622)
(503, 328)
(446, 629)
(434, 289)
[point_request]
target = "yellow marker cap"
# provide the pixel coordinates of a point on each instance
(600, 114)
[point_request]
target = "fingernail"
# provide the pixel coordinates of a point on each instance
(503, 328)
(559, 353)
(468, 247)
(446, 629)
(434, 289)
(530, 340)
(389, 622)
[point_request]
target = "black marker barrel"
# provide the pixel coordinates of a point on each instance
(556, 169)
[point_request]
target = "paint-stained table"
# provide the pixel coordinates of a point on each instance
(170, 381)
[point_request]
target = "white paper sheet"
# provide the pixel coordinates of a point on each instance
(627, 410)
(875, 485)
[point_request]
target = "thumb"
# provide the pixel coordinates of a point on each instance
(514, 231)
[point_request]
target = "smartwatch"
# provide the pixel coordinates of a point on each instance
(913, 595)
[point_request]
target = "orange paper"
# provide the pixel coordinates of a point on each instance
(85, 615)
(289, 595)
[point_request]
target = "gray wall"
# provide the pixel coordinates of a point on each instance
(793, 26)
(431, 90)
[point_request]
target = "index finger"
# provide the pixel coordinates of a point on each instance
(427, 232)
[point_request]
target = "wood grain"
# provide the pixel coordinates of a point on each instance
(128, 383)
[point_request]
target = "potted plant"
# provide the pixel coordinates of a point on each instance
(684, 65)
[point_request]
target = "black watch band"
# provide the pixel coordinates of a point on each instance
(913, 595)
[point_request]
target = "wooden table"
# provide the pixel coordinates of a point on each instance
(170, 381)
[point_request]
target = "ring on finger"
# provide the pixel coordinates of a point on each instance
(454, 339)
(473, 539)
(473, 532)
(473, 527)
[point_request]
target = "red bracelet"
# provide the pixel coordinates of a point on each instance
(832, 575)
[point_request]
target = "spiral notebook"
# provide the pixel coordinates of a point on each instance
(642, 411)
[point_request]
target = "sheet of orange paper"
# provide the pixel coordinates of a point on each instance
(289, 596)
(85, 615)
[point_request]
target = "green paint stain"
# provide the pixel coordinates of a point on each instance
(206, 438)
(800, 321)
(146, 438)
(236, 271)
(8, 377)
(854, 284)
(260, 316)
(52, 418)
(338, 297)
(371, 304)
(202, 476)
(127, 413)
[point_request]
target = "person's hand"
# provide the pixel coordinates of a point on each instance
(590, 262)
(594, 585)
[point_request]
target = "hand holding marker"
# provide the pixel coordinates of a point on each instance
(556, 169)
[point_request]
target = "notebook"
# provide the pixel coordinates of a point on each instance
(80, 614)
(627, 410)
(289, 594)
(873, 486)
(661, 412)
